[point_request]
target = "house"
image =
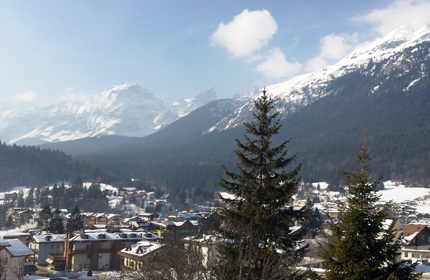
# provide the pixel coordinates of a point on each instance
(149, 216)
(16, 256)
(10, 196)
(416, 243)
(22, 217)
(98, 250)
(170, 228)
(137, 223)
(101, 219)
(87, 218)
(46, 247)
(134, 255)
(206, 244)
(114, 219)
(24, 237)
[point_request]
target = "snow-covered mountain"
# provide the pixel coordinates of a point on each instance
(305, 89)
(127, 110)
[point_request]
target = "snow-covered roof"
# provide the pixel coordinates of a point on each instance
(3, 242)
(48, 238)
(18, 248)
(97, 236)
(142, 248)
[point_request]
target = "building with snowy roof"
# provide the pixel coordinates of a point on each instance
(46, 247)
(134, 255)
(16, 256)
(177, 229)
(99, 250)
(416, 243)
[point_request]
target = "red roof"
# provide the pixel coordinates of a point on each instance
(411, 229)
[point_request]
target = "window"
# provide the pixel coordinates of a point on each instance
(89, 256)
(406, 254)
(422, 237)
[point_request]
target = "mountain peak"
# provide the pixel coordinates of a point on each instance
(127, 110)
(128, 90)
(207, 95)
(390, 51)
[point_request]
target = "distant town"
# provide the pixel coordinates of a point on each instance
(115, 243)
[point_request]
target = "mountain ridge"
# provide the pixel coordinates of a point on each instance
(127, 110)
(385, 98)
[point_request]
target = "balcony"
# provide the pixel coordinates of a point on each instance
(55, 258)
(81, 251)
(58, 262)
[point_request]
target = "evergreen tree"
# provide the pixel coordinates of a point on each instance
(56, 224)
(314, 220)
(76, 221)
(359, 247)
(29, 201)
(258, 216)
(37, 194)
(20, 202)
(31, 191)
(44, 218)
(56, 197)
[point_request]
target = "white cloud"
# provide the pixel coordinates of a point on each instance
(246, 33)
(333, 47)
(277, 66)
(28, 96)
(413, 13)
(316, 64)
(337, 46)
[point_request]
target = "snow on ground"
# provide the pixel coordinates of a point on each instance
(400, 193)
(102, 186)
(113, 200)
(323, 185)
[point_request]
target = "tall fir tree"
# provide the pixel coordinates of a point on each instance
(359, 247)
(258, 214)
(76, 221)
(20, 202)
(56, 224)
(44, 218)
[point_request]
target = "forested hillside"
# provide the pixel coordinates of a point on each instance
(386, 99)
(28, 165)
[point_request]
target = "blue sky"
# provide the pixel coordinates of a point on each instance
(60, 50)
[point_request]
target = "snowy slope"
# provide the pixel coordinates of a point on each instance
(302, 90)
(127, 110)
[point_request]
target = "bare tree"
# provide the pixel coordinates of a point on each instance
(176, 260)
(16, 266)
(3, 266)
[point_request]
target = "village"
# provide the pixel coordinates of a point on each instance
(112, 244)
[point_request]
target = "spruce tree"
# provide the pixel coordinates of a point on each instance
(76, 221)
(44, 218)
(56, 224)
(359, 247)
(258, 215)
